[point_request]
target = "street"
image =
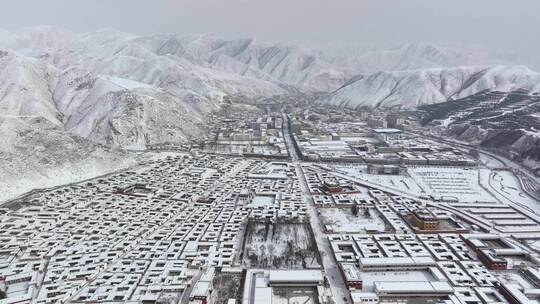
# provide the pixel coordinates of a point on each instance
(339, 290)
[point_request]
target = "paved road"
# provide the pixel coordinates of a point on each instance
(339, 290)
(335, 280)
(185, 295)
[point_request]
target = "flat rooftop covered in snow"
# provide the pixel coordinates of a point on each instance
(296, 276)
(413, 288)
(369, 279)
(397, 262)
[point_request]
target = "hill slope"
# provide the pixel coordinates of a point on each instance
(505, 122)
(413, 88)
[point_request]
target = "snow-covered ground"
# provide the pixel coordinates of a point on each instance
(506, 187)
(279, 245)
(126, 83)
(342, 220)
(37, 154)
(260, 201)
(440, 182)
(446, 182)
(398, 182)
(13, 184)
(490, 161)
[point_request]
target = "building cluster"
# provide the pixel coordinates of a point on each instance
(429, 251)
(438, 268)
(147, 235)
(386, 150)
(276, 286)
(249, 134)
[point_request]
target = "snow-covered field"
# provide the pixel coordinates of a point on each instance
(440, 182)
(13, 184)
(342, 220)
(279, 245)
(456, 183)
(265, 201)
(398, 182)
(506, 187)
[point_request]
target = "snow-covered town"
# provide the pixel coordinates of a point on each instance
(277, 207)
(269, 152)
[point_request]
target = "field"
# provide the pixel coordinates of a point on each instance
(279, 245)
(398, 182)
(506, 185)
(456, 183)
(342, 220)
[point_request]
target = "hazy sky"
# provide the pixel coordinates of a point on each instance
(511, 25)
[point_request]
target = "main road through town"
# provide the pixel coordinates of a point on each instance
(340, 293)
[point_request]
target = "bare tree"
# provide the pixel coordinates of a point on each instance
(354, 209)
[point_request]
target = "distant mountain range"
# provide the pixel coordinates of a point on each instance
(413, 88)
(118, 90)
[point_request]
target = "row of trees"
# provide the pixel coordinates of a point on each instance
(293, 256)
(355, 210)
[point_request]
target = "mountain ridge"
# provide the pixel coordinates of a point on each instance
(413, 88)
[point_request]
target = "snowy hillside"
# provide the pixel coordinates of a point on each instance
(106, 110)
(144, 59)
(25, 87)
(414, 56)
(413, 88)
(504, 122)
(36, 153)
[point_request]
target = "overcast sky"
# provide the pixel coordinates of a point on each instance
(510, 25)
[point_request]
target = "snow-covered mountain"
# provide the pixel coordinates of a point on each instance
(211, 67)
(25, 87)
(36, 153)
(104, 109)
(368, 60)
(505, 122)
(413, 88)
